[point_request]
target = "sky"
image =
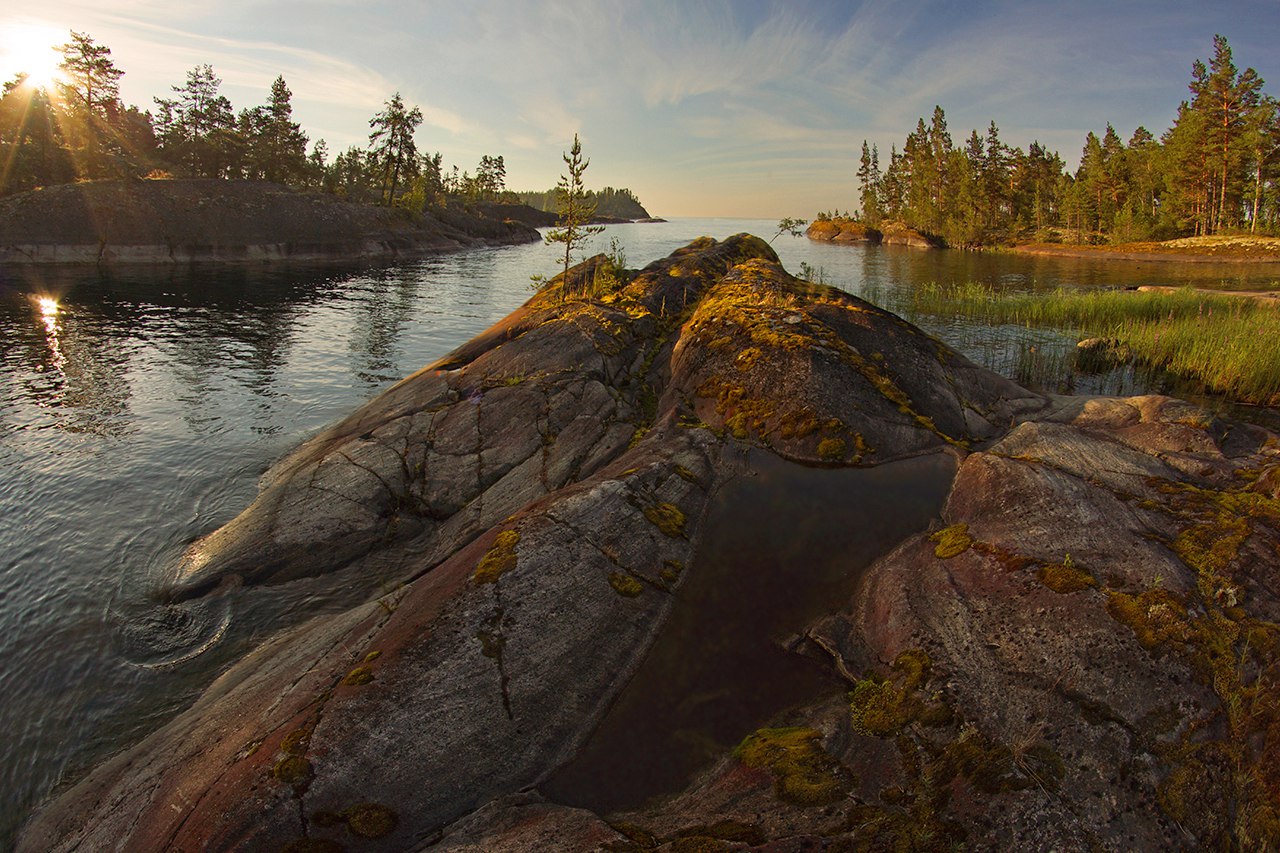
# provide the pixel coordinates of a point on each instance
(731, 108)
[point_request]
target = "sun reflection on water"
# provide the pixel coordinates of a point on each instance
(49, 314)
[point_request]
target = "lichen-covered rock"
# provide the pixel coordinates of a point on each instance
(1080, 653)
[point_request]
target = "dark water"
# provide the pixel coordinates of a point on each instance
(139, 415)
(782, 545)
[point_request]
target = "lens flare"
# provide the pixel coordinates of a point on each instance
(48, 306)
(31, 48)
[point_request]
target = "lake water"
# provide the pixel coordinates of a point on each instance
(138, 415)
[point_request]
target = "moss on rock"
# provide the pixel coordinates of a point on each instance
(667, 517)
(625, 585)
(500, 558)
(951, 541)
(804, 774)
(1065, 577)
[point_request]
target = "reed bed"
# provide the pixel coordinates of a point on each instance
(1229, 344)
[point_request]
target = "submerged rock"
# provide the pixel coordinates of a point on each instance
(1077, 652)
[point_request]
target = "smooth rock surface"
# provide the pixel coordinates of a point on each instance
(1079, 654)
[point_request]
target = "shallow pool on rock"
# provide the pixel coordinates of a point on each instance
(782, 545)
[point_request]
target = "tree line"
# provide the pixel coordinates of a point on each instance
(78, 129)
(1216, 170)
(609, 202)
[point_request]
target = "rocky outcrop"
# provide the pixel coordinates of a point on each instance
(898, 234)
(688, 523)
(189, 221)
(844, 230)
(841, 230)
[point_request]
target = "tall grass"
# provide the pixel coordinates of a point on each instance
(1229, 344)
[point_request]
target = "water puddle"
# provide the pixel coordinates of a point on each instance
(783, 545)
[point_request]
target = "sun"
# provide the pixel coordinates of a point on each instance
(29, 48)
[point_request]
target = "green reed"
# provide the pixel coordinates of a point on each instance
(1230, 344)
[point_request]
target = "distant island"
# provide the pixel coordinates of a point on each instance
(612, 205)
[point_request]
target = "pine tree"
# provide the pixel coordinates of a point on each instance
(1262, 141)
(276, 145)
(197, 129)
(1225, 98)
(575, 208)
(869, 185)
(392, 145)
(1186, 164)
(92, 81)
(997, 180)
(491, 177)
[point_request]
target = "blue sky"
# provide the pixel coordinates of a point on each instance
(727, 108)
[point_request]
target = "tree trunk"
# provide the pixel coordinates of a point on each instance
(1257, 195)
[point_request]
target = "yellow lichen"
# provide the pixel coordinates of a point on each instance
(292, 770)
(747, 358)
(831, 449)
(500, 558)
(1066, 577)
(295, 743)
(667, 517)
(951, 541)
(1156, 616)
(358, 676)
(625, 585)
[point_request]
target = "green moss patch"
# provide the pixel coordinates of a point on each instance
(804, 774)
(1066, 577)
(370, 820)
(364, 820)
(292, 770)
(358, 676)
(499, 559)
(881, 707)
(296, 742)
(951, 541)
(625, 585)
(831, 449)
(1156, 616)
(668, 518)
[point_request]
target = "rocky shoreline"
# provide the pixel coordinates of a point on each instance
(1076, 644)
(212, 221)
(1226, 256)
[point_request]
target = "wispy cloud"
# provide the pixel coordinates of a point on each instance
(720, 100)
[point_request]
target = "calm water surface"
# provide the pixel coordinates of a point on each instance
(139, 415)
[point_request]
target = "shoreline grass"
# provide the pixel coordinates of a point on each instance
(1229, 344)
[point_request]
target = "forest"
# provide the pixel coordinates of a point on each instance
(78, 129)
(609, 202)
(1215, 171)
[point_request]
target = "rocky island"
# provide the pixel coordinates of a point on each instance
(724, 560)
(211, 220)
(842, 229)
